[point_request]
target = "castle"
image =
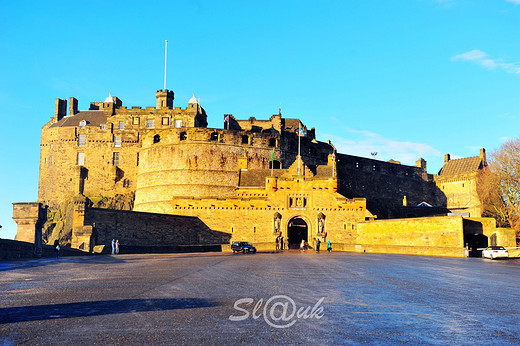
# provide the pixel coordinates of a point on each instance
(157, 177)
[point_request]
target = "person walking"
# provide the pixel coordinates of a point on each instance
(277, 243)
(56, 248)
(302, 245)
(113, 246)
(117, 247)
(329, 246)
(318, 245)
(281, 243)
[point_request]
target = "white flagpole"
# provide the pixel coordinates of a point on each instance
(299, 135)
(272, 163)
(333, 163)
(165, 59)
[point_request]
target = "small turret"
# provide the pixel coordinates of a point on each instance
(164, 98)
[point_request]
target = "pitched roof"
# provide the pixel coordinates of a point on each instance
(255, 177)
(461, 166)
(93, 118)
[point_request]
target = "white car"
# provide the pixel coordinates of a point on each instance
(493, 252)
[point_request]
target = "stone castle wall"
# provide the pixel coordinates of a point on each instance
(135, 229)
(385, 185)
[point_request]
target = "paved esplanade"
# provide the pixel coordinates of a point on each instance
(189, 298)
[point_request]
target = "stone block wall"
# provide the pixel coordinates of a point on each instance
(435, 236)
(385, 184)
(137, 229)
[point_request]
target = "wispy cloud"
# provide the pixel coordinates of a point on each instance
(364, 143)
(514, 1)
(481, 58)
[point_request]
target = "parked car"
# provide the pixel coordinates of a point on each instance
(493, 252)
(242, 246)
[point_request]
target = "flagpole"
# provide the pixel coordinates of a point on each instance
(299, 158)
(272, 163)
(165, 59)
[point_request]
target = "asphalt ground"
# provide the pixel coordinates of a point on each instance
(263, 298)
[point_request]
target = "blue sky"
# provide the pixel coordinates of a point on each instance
(406, 78)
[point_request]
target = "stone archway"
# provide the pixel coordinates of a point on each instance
(297, 230)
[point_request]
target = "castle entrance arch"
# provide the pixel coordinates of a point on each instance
(297, 231)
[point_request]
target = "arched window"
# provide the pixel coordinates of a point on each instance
(214, 136)
(183, 136)
(156, 139)
(272, 142)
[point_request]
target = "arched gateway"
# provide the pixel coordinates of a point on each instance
(297, 231)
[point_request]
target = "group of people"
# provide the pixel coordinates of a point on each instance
(305, 245)
(279, 241)
(115, 246)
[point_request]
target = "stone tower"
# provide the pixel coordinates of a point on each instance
(164, 98)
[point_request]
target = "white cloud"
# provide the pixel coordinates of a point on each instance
(480, 58)
(364, 143)
(514, 1)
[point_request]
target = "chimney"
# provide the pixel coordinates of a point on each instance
(483, 156)
(73, 106)
(60, 110)
(446, 158)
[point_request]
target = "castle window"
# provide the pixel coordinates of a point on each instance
(126, 183)
(102, 126)
(82, 124)
(183, 136)
(374, 168)
(357, 164)
(214, 136)
(117, 141)
(178, 123)
(245, 139)
(135, 121)
(82, 139)
(156, 139)
(462, 184)
(272, 142)
(166, 121)
(149, 124)
(50, 161)
(121, 125)
(115, 159)
(137, 163)
(80, 160)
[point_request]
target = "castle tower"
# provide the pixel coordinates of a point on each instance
(164, 98)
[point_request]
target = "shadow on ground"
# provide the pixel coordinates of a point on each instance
(96, 308)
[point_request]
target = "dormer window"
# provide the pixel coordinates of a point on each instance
(82, 124)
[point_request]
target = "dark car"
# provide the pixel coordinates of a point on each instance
(242, 246)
